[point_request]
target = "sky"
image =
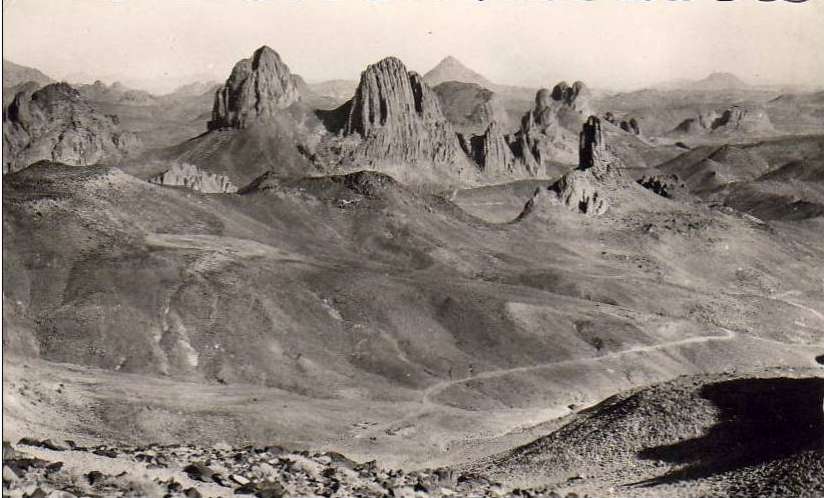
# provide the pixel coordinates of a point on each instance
(619, 44)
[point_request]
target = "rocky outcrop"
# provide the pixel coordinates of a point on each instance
(586, 189)
(492, 152)
(545, 135)
(55, 123)
(541, 137)
(258, 88)
(397, 117)
(190, 176)
(663, 185)
(576, 97)
(628, 124)
(734, 119)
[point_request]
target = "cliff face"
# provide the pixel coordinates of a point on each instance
(397, 117)
(258, 88)
(55, 123)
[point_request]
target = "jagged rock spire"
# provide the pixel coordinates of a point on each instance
(591, 144)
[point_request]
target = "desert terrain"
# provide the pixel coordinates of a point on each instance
(411, 285)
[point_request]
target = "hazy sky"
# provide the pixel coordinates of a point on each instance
(606, 43)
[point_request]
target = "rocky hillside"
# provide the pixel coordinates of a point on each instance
(709, 435)
(56, 123)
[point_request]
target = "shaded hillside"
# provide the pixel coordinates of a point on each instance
(714, 435)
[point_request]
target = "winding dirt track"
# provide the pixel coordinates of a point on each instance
(429, 404)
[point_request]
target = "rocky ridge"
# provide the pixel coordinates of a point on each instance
(56, 123)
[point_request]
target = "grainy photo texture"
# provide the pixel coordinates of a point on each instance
(397, 248)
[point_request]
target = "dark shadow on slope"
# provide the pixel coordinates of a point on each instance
(334, 120)
(761, 420)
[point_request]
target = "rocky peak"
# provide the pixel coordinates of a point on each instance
(388, 96)
(398, 117)
(258, 88)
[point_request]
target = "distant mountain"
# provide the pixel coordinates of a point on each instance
(196, 89)
(15, 74)
(720, 81)
(337, 89)
(714, 82)
(451, 69)
(116, 93)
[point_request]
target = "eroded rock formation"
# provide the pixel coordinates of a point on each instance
(55, 123)
(259, 87)
(541, 137)
(190, 176)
